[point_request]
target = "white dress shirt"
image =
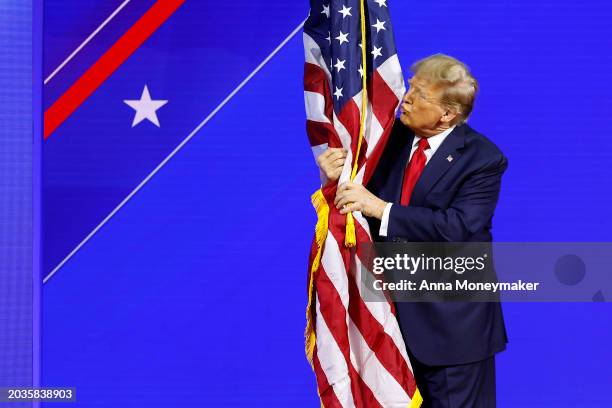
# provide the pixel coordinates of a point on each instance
(434, 143)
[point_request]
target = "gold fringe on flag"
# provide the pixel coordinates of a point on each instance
(322, 209)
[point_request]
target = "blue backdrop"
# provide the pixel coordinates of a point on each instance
(193, 294)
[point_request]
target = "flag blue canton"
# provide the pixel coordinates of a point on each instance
(336, 28)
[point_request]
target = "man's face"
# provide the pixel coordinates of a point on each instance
(421, 110)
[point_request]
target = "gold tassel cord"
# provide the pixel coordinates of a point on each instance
(350, 239)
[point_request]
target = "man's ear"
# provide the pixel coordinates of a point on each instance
(449, 116)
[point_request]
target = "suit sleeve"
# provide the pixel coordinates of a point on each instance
(470, 210)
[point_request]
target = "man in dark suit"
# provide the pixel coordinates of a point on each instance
(438, 180)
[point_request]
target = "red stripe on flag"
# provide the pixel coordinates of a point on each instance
(319, 133)
(366, 393)
(383, 100)
(112, 59)
(350, 119)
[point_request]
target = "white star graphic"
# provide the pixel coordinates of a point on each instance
(381, 3)
(329, 37)
(360, 70)
(340, 64)
(342, 37)
(346, 11)
(145, 108)
(380, 25)
(338, 93)
(376, 52)
(325, 11)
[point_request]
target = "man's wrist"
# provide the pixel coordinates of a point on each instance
(380, 209)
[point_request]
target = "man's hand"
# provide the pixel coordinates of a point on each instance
(355, 197)
(331, 162)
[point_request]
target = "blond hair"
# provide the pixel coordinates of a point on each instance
(453, 77)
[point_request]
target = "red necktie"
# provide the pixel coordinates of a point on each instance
(413, 171)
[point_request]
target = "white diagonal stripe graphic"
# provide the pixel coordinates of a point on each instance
(87, 40)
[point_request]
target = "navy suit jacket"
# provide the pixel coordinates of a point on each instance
(453, 201)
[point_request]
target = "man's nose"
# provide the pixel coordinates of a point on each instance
(408, 98)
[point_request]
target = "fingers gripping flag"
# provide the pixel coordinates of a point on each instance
(352, 87)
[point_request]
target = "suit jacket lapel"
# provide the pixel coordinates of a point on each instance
(438, 164)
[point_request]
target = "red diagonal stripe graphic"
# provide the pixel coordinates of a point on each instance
(104, 67)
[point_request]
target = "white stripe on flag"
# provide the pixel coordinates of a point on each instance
(315, 107)
(391, 73)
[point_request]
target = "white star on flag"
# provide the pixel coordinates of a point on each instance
(380, 25)
(340, 65)
(376, 52)
(360, 70)
(345, 11)
(338, 93)
(342, 37)
(381, 3)
(145, 107)
(325, 11)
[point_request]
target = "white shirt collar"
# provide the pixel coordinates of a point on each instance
(436, 140)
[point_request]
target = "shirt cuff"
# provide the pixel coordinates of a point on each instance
(384, 221)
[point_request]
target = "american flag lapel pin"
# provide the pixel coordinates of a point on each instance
(449, 158)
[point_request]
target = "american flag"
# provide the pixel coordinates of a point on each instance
(355, 347)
